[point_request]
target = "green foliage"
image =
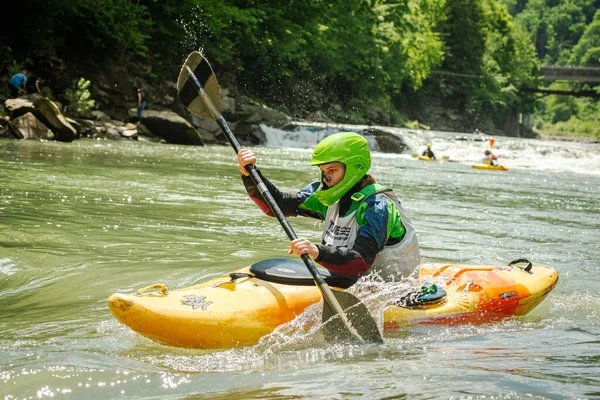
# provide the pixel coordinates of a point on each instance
(574, 126)
(490, 58)
(555, 28)
(304, 56)
(587, 50)
(565, 33)
(79, 96)
(465, 29)
(315, 52)
(415, 125)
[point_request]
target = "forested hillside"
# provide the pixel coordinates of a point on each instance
(565, 33)
(452, 64)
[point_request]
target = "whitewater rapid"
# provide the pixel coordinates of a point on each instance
(458, 147)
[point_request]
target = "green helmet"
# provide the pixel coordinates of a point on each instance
(350, 149)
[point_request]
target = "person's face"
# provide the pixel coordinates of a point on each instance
(333, 173)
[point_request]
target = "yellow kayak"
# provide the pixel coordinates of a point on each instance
(426, 158)
(239, 308)
(490, 167)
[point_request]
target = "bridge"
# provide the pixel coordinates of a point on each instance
(577, 74)
(551, 73)
(572, 74)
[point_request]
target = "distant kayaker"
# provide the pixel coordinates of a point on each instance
(428, 152)
(489, 158)
(366, 229)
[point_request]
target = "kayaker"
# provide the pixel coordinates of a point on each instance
(428, 152)
(489, 158)
(365, 230)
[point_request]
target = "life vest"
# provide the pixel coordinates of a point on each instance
(394, 261)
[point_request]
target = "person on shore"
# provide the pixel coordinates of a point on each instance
(141, 103)
(428, 152)
(33, 84)
(18, 82)
(366, 229)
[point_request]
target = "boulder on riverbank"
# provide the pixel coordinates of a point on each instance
(28, 127)
(32, 120)
(49, 114)
(170, 126)
(387, 142)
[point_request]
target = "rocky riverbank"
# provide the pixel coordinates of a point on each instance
(39, 118)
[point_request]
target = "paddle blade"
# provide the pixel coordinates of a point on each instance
(188, 91)
(492, 142)
(334, 328)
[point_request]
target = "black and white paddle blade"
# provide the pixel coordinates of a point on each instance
(361, 321)
(188, 90)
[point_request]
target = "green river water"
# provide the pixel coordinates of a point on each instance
(83, 220)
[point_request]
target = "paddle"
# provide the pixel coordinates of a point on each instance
(347, 318)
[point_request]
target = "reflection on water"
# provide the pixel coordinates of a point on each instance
(81, 221)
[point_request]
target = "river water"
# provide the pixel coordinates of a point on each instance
(83, 220)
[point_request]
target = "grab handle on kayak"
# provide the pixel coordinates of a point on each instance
(522, 260)
(161, 286)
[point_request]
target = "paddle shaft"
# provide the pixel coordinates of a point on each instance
(275, 210)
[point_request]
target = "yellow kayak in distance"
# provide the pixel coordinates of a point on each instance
(426, 158)
(239, 308)
(498, 167)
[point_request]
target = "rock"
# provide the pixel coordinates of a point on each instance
(129, 133)
(386, 141)
(210, 131)
(30, 128)
(249, 133)
(318, 116)
(47, 112)
(75, 125)
(227, 105)
(7, 133)
(253, 118)
(143, 131)
(86, 127)
(378, 116)
(17, 107)
(171, 127)
(102, 132)
(263, 114)
(95, 115)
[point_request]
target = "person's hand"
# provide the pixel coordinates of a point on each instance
(303, 246)
(245, 157)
